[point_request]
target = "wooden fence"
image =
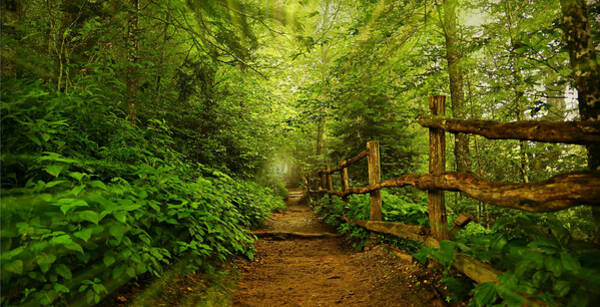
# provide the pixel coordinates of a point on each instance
(557, 193)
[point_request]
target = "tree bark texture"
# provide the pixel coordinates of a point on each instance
(410, 232)
(453, 56)
(578, 35)
(437, 165)
(329, 179)
(374, 179)
(344, 180)
(583, 132)
(557, 193)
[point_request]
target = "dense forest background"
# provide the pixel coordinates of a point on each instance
(132, 129)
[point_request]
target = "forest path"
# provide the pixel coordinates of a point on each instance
(323, 271)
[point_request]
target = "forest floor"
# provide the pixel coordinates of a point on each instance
(300, 261)
(299, 270)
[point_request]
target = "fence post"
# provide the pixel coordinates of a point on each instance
(374, 178)
(437, 165)
(344, 182)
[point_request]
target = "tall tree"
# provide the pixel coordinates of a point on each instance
(519, 88)
(132, 56)
(453, 56)
(323, 28)
(586, 74)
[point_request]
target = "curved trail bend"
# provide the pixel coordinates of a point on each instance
(323, 271)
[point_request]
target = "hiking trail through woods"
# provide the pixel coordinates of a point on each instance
(301, 261)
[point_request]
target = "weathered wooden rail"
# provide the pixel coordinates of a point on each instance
(557, 193)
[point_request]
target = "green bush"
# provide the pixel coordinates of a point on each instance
(538, 256)
(89, 201)
(396, 208)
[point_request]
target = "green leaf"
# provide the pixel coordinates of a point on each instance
(14, 267)
(523, 267)
(77, 175)
(117, 231)
(66, 204)
(131, 206)
(54, 169)
(45, 261)
(99, 288)
(120, 216)
(130, 271)
(553, 265)
(84, 234)
(54, 183)
(90, 216)
(75, 247)
(421, 255)
(544, 245)
(485, 294)
(143, 194)
(45, 197)
(98, 184)
(140, 268)
(23, 228)
(34, 139)
(61, 240)
(63, 271)
(569, 262)
(445, 254)
(109, 259)
(561, 288)
(7, 255)
(499, 243)
(76, 190)
(61, 288)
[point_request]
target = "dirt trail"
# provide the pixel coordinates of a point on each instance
(295, 271)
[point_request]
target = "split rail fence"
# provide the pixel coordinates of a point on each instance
(557, 193)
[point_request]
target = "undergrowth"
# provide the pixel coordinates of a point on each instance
(540, 258)
(89, 201)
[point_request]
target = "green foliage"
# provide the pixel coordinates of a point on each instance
(88, 201)
(398, 208)
(485, 294)
(405, 209)
(459, 288)
(539, 260)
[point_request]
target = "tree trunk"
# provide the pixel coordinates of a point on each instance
(519, 94)
(586, 73)
(162, 58)
(132, 56)
(461, 144)
(320, 134)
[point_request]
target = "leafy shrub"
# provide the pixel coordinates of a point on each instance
(540, 260)
(398, 208)
(89, 201)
